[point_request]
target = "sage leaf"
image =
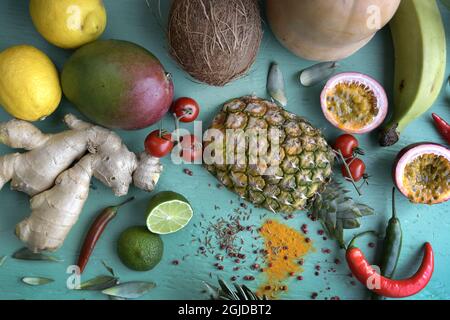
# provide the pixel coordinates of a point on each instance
(130, 290)
(27, 254)
(36, 281)
(2, 260)
(317, 73)
(99, 283)
(275, 85)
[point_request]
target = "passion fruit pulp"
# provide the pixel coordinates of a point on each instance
(422, 173)
(354, 102)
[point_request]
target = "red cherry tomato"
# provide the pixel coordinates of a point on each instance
(191, 148)
(159, 143)
(357, 169)
(348, 145)
(186, 109)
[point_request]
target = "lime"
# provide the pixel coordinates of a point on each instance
(168, 212)
(140, 249)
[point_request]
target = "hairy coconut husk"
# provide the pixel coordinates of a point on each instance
(215, 41)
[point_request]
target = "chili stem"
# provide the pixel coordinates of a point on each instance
(126, 201)
(347, 168)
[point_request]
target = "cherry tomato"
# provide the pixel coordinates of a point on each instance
(357, 169)
(348, 145)
(186, 109)
(191, 148)
(159, 143)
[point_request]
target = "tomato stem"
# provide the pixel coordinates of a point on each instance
(347, 168)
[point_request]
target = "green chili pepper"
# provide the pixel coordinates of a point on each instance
(392, 245)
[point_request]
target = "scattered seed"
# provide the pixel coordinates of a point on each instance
(188, 172)
(175, 262)
(314, 295)
(300, 278)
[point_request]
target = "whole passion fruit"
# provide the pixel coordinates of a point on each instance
(354, 102)
(422, 173)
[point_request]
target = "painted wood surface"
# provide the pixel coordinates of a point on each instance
(132, 20)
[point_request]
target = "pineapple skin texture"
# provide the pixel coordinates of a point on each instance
(305, 158)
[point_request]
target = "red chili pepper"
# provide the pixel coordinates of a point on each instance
(443, 127)
(95, 231)
(364, 272)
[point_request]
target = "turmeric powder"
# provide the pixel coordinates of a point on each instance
(284, 247)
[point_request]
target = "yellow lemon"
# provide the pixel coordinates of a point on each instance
(29, 83)
(69, 24)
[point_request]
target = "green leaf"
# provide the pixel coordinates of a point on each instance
(130, 290)
(99, 283)
(107, 267)
(36, 281)
(27, 254)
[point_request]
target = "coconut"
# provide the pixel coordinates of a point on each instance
(215, 41)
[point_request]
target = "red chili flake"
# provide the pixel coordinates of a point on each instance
(291, 274)
(320, 232)
(335, 298)
(267, 288)
(255, 266)
(249, 278)
(307, 240)
(220, 267)
(326, 251)
(236, 268)
(270, 265)
(241, 256)
(269, 221)
(237, 260)
(248, 228)
(300, 278)
(188, 172)
(371, 245)
(337, 261)
(317, 267)
(285, 248)
(314, 295)
(175, 262)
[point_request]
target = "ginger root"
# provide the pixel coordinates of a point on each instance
(50, 154)
(59, 193)
(55, 211)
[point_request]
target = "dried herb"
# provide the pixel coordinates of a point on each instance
(130, 290)
(317, 73)
(275, 85)
(27, 254)
(107, 267)
(99, 283)
(36, 281)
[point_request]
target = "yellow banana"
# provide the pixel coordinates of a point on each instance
(420, 60)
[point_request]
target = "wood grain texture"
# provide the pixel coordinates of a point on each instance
(132, 20)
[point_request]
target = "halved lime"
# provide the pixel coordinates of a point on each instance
(168, 212)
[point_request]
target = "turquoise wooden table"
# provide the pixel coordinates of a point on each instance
(132, 20)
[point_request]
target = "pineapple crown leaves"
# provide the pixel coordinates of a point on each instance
(224, 292)
(338, 212)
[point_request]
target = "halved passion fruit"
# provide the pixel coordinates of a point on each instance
(422, 173)
(354, 102)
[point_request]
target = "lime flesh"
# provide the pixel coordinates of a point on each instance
(168, 212)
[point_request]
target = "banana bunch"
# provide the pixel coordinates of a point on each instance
(420, 61)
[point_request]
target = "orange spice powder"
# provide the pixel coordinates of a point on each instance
(284, 248)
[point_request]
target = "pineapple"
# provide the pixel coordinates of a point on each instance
(289, 176)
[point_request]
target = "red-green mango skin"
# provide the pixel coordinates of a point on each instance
(117, 84)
